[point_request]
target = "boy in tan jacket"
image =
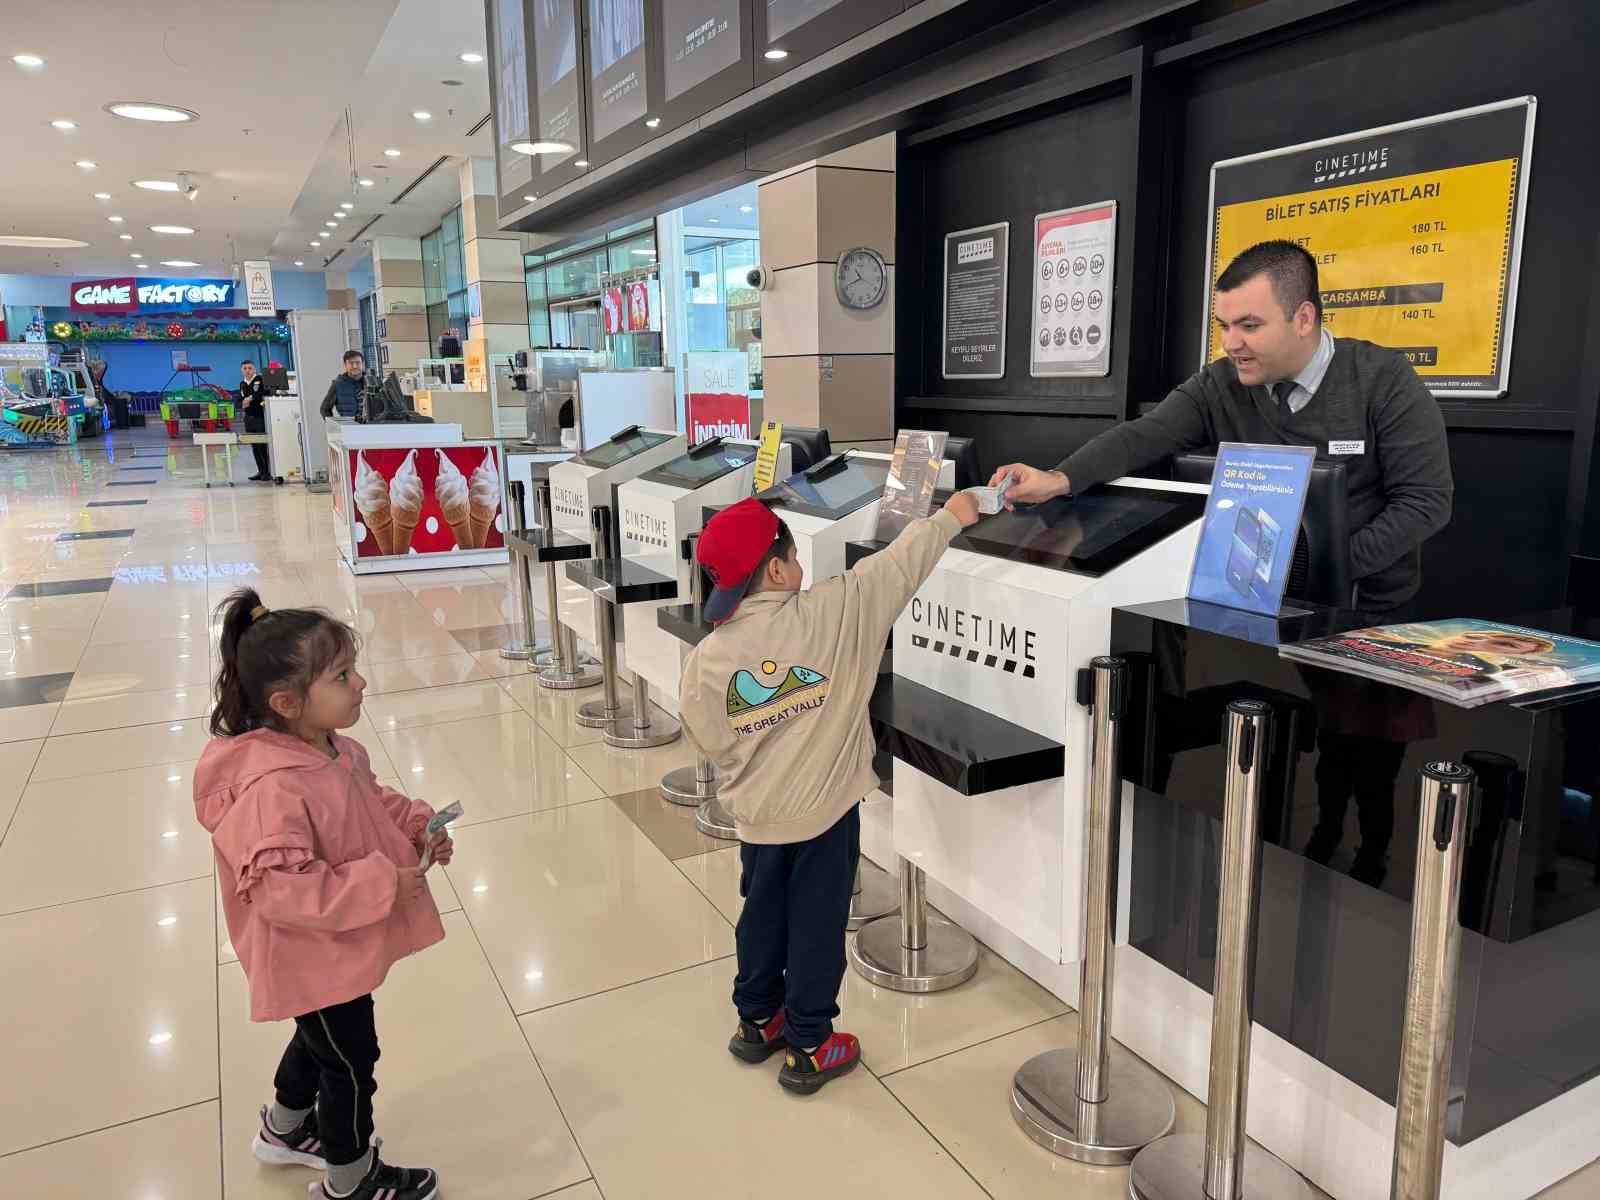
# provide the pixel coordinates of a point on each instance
(777, 698)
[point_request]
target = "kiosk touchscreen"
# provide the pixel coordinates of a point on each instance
(659, 510)
(1018, 604)
(581, 484)
(828, 506)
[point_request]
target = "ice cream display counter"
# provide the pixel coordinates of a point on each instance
(410, 497)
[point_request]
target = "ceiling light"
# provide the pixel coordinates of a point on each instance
(84, 164)
(471, 57)
(331, 224)
(530, 199)
(582, 162)
(745, 208)
(652, 123)
(367, 182)
(160, 1039)
(141, 110)
(175, 230)
(156, 185)
(102, 195)
(144, 266)
(542, 147)
(27, 60)
(314, 245)
(346, 204)
(777, 55)
(115, 220)
(392, 152)
(40, 243)
(127, 237)
(167, 920)
(422, 115)
(299, 262)
(178, 262)
(136, 255)
(63, 123)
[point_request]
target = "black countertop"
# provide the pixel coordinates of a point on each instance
(622, 580)
(549, 547)
(684, 622)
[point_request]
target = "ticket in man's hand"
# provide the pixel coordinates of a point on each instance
(991, 499)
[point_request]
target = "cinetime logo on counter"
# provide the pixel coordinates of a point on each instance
(973, 637)
(569, 502)
(644, 528)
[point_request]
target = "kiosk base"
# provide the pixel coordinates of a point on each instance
(686, 787)
(877, 895)
(715, 821)
(584, 675)
(948, 957)
(1175, 1169)
(1137, 1110)
(625, 734)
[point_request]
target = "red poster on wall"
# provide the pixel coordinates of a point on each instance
(716, 394)
(426, 501)
(611, 303)
(638, 307)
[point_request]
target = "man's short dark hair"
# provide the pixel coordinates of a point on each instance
(350, 354)
(246, 363)
(1292, 269)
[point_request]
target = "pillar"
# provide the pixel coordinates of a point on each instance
(823, 364)
(493, 262)
(399, 303)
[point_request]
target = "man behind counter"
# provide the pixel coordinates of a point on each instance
(1286, 381)
(344, 393)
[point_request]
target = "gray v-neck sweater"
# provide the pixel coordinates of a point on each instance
(1371, 412)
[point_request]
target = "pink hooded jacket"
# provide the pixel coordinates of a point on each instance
(306, 849)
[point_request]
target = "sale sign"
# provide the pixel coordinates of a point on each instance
(716, 392)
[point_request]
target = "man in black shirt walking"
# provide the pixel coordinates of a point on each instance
(1286, 381)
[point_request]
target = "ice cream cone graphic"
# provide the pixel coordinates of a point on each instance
(371, 494)
(405, 503)
(450, 486)
(484, 493)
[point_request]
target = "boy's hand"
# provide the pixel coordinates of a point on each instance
(964, 508)
(1030, 485)
(411, 884)
(443, 848)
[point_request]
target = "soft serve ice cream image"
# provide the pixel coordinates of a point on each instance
(423, 501)
(450, 486)
(484, 492)
(405, 502)
(371, 494)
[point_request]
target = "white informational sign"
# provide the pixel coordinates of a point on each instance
(1074, 263)
(258, 289)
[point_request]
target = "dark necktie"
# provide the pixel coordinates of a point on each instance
(1282, 391)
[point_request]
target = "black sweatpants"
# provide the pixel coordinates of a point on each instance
(791, 932)
(262, 454)
(329, 1063)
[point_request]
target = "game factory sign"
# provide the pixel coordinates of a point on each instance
(127, 296)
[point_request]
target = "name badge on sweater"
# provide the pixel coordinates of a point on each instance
(1341, 448)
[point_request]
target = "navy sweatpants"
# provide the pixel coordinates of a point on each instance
(791, 933)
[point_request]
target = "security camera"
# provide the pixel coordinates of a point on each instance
(759, 278)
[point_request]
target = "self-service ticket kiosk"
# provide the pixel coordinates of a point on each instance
(659, 510)
(990, 745)
(583, 484)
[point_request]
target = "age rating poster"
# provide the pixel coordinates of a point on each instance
(1416, 229)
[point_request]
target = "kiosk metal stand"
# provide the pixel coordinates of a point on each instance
(526, 647)
(693, 787)
(609, 709)
(1068, 1100)
(1223, 1165)
(919, 951)
(646, 726)
(1427, 1041)
(568, 671)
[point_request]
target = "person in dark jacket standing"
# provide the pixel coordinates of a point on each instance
(1285, 380)
(253, 403)
(344, 393)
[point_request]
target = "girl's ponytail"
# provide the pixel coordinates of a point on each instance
(264, 652)
(232, 713)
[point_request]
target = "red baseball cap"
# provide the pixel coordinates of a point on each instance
(731, 548)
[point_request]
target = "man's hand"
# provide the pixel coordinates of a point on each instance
(1030, 485)
(964, 508)
(410, 884)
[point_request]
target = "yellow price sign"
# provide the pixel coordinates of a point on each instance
(767, 455)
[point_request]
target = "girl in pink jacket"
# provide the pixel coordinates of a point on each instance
(321, 880)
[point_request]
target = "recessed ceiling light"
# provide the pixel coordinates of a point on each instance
(346, 204)
(530, 199)
(392, 152)
(144, 266)
(745, 208)
(127, 237)
(777, 55)
(314, 244)
(102, 195)
(135, 255)
(143, 110)
(160, 1039)
(28, 60)
(471, 57)
(367, 182)
(40, 243)
(652, 122)
(542, 147)
(84, 164)
(175, 230)
(63, 123)
(115, 220)
(167, 921)
(715, 220)
(331, 224)
(299, 262)
(422, 115)
(582, 162)
(178, 262)
(157, 185)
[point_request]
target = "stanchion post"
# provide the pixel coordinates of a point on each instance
(914, 951)
(1064, 1099)
(1224, 1165)
(696, 787)
(527, 646)
(1445, 791)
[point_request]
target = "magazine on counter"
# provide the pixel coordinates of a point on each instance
(1462, 660)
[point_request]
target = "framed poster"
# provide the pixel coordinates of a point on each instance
(508, 83)
(1416, 229)
(617, 71)
(557, 111)
(1074, 264)
(707, 56)
(803, 29)
(975, 283)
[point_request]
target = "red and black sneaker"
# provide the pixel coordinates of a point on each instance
(806, 1072)
(300, 1147)
(757, 1043)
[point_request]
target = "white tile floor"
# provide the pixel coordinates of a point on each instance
(566, 1038)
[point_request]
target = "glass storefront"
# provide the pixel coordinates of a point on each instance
(444, 277)
(565, 305)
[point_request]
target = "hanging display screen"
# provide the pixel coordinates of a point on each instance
(702, 38)
(510, 34)
(555, 49)
(617, 95)
(785, 16)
